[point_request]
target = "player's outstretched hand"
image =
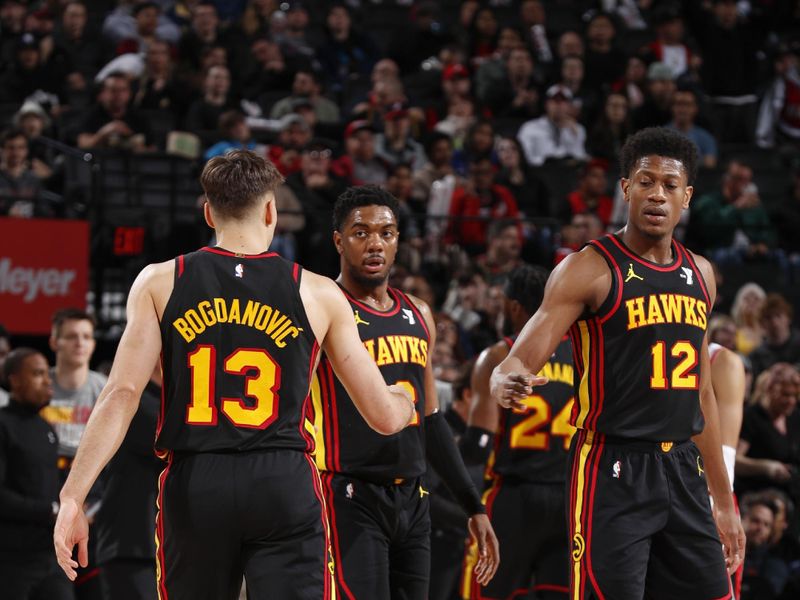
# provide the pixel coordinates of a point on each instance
(731, 534)
(510, 389)
(71, 528)
(488, 548)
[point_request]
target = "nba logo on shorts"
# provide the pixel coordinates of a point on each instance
(239, 270)
(617, 469)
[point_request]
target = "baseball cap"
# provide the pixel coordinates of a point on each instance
(397, 110)
(27, 40)
(453, 71)
(559, 91)
(658, 71)
(355, 126)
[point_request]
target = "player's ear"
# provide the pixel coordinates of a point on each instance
(207, 214)
(271, 211)
(337, 241)
(687, 198)
(625, 183)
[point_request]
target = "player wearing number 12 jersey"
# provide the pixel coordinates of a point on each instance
(239, 330)
(527, 461)
(648, 451)
(374, 485)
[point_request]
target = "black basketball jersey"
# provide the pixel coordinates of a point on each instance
(398, 342)
(532, 444)
(238, 352)
(638, 358)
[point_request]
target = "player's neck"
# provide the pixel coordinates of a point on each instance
(656, 250)
(69, 377)
(244, 240)
(377, 297)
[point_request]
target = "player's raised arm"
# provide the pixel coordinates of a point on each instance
(136, 355)
(581, 281)
(386, 409)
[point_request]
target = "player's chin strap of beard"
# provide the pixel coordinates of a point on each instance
(442, 453)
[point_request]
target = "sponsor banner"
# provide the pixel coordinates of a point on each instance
(44, 266)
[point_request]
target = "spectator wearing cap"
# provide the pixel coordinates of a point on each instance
(34, 122)
(656, 111)
(346, 55)
(779, 114)
(684, 112)
(729, 45)
(590, 195)
(306, 85)
(395, 145)
(120, 24)
(556, 135)
(295, 135)
(317, 190)
(604, 61)
(29, 73)
(516, 96)
(359, 165)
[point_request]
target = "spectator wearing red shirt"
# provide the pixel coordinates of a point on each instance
(591, 194)
(475, 205)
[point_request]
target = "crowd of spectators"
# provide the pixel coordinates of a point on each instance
(496, 124)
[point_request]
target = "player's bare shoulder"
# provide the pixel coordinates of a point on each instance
(425, 311)
(707, 271)
(323, 301)
(582, 276)
(155, 281)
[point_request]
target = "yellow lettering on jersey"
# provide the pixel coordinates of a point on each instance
(289, 331)
(384, 355)
(423, 351)
(666, 308)
(233, 312)
(557, 372)
(672, 307)
(654, 316)
(183, 328)
(635, 312)
(250, 312)
(399, 344)
(195, 321)
(414, 343)
(221, 309)
(209, 317)
(370, 346)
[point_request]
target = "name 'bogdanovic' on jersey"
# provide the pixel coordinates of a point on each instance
(637, 359)
(398, 342)
(238, 351)
(531, 444)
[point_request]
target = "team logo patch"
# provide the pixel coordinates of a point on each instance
(408, 316)
(578, 547)
(359, 320)
(239, 270)
(666, 446)
(631, 275)
(687, 274)
(616, 470)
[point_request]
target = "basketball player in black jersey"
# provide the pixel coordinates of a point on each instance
(527, 469)
(648, 450)
(376, 497)
(238, 329)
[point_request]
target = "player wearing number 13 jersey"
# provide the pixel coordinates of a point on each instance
(528, 461)
(239, 330)
(647, 450)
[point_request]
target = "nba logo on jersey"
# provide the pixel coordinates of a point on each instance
(617, 469)
(687, 275)
(349, 490)
(408, 316)
(239, 270)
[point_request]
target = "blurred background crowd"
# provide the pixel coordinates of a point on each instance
(495, 123)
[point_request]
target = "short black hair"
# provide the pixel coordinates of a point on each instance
(434, 138)
(15, 359)
(525, 284)
(498, 226)
(362, 195)
(12, 133)
(659, 141)
(70, 314)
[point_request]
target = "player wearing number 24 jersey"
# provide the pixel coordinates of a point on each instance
(527, 460)
(239, 330)
(647, 451)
